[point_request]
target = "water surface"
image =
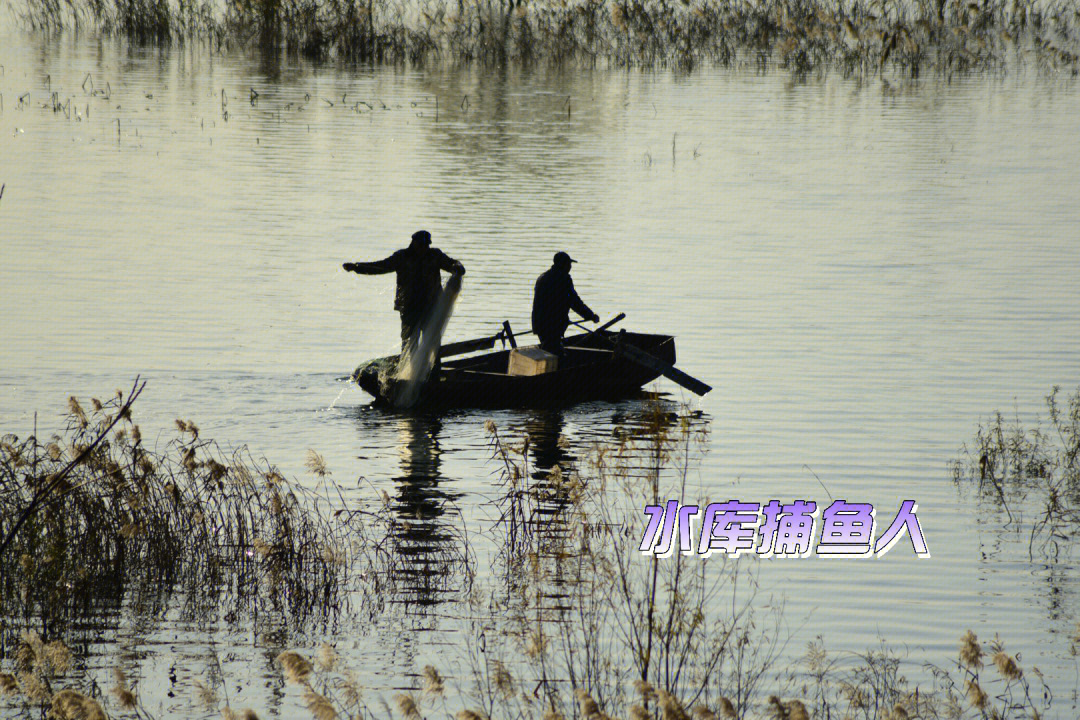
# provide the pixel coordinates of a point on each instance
(862, 270)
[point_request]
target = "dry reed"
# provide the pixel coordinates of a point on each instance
(93, 514)
(948, 36)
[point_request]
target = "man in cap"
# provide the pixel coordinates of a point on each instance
(553, 299)
(418, 280)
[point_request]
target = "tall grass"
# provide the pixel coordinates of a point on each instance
(857, 37)
(597, 624)
(95, 515)
(572, 622)
(1011, 463)
(591, 630)
(598, 631)
(984, 682)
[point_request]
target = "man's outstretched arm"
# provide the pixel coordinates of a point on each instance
(379, 267)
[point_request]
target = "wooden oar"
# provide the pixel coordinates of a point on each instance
(468, 346)
(603, 327)
(650, 362)
(486, 343)
(669, 371)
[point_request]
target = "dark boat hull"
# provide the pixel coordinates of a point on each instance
(590, 369)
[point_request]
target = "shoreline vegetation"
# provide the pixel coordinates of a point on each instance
(584, 630)
(95, 515)
(858, 38)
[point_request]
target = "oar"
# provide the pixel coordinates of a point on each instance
(651, 362)
(602, 328)
(486, 343)
(468, 346)
(669, 371)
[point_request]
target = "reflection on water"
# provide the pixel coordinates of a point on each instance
(540, 506)
(550, 449)
(545, 474)
(427, 538)
(432, 561)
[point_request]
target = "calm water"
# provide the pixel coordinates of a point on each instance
(862, 270)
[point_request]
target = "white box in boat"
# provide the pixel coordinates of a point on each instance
(532, 360)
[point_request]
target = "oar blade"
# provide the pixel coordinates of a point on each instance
(669, 371)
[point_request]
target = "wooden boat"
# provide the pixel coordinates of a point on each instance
(596, 365)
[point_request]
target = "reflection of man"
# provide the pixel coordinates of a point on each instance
(418, 280)
(549, 448)
(552, 301)
(422, 567)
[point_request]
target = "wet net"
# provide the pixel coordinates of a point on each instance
(418, 359)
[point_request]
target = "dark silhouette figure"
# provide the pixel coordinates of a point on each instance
(418, 280)
(553, 299)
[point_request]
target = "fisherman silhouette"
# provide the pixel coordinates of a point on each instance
(553, 299)
(418, 281)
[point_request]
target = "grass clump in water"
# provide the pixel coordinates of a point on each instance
(96, 516)
(1010, 463)
(87, 513)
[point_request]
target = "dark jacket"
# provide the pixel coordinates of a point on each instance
(552, 300)
(418, 279)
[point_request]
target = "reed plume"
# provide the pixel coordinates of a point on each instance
(588, 706)
(407, 705)
(327, 658)
(73, 705)
(970, 651)
(1007, 666)
(701, 712)
(295, 666)
(316, 464)
(319, 706)
(433, 682)
(647, 691)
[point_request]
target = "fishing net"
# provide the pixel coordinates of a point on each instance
(418, 359)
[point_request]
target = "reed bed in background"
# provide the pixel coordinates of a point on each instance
(857, 37)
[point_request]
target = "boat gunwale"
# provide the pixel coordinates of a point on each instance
(461, 383)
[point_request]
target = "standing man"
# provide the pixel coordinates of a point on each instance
(552, 300)
(418, 280)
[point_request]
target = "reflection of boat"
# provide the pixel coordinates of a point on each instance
(594, 366)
